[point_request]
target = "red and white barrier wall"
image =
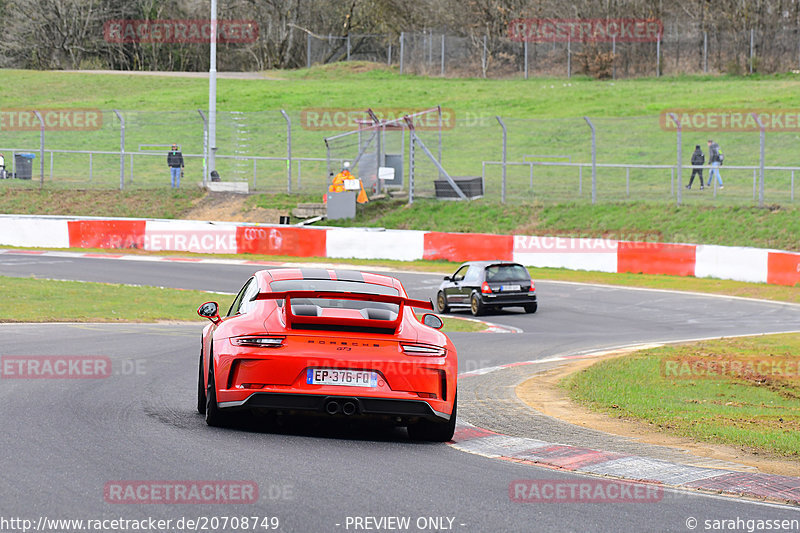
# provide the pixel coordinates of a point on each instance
(604, 255)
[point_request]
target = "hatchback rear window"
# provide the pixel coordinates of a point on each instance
(506, 273)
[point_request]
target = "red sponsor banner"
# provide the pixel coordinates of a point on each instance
(53, 119)
(730, 119)
(180, 492)
(348, 118)
(656, 258)
(179, 31)
(55, 367)
(106, 233)
(783, 268)
(585, 491)
(621, 30)
(727, 368)
(296, 242)
(468, 246)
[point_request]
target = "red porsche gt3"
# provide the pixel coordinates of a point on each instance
(341, 343)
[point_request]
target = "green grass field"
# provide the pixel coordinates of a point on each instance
(547, 120)
(687, 390)
(75, 301)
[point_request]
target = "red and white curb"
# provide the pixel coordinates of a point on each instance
(486, 443)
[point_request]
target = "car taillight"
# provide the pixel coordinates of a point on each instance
(425, 350)
(532, 287)
(259, 341)
(485, 288)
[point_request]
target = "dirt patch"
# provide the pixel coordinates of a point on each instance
(542, 393)
(231, 207)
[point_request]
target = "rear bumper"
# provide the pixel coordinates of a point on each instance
(317, 403)
(508, 299)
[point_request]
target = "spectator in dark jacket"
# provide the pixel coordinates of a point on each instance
(175, 164)
(698, 160)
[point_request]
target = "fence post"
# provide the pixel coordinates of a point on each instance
(51, 166)
(443, 55)
(525, 48)
(658, 56)
(792, 189)
(348, 47)
(705, 52)
(308, 50)
(389, 56)
(288, 151)
(680, 157)
(121, 149)
(614, 57)
(483, 57)
(41, 150)
(762, 141)
(569, 57)
(505, 153)
(594, 159)
(90, 167)
(402, 34)
(205, 146)
(752, 38)
(411, 165)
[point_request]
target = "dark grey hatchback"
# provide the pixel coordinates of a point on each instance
(482, 285)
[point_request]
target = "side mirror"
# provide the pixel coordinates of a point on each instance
(447, 278)
(432, 321)
(210, 310)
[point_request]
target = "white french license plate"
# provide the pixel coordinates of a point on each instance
(348, 378)
(504, 288)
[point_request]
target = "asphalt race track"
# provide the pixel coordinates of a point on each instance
(64, 441)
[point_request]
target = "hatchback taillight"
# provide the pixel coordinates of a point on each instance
(485, 288)
(532, 287)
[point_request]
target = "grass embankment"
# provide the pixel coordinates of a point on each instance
(162, 110)
(75, 301)
(742, 392)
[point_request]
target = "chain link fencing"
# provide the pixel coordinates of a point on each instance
(684, 47)
(631, 159)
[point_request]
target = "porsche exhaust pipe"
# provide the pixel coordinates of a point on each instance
(332, 407)
(349, 408)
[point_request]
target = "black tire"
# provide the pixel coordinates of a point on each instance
(475, 305)
(201, 388)
(531, 308)
(441, 303)
(431, 431)
(214, 416)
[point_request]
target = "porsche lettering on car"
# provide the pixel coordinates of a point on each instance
(331, 343)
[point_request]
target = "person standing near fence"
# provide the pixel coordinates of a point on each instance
(715, 158)
(698, 160)
(175, 164)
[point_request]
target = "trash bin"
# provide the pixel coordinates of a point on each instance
(23, 166)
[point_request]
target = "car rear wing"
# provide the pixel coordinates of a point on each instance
(294, 319)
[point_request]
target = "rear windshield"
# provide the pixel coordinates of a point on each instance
(331, 285)
(506, 273)
(315, 306)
